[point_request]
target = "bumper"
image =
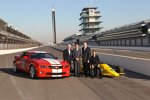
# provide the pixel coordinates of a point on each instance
(53, 73)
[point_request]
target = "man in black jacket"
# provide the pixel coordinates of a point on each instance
(94, 65)
(68, 56)
(86, 54)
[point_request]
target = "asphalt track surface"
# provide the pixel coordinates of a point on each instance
(131, 86)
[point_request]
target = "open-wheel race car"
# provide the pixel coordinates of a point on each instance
(41, 64)
(109, 70)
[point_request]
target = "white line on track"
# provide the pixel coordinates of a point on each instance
(16, 87)
(18, 90)
(135, 58)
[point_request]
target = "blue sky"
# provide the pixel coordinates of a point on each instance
(33, 17)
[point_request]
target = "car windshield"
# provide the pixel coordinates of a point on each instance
(42, 55)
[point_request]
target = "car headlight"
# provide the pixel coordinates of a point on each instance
(42, 66)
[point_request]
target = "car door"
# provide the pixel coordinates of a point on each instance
(27, 62)
(19, 61)
(24, 61)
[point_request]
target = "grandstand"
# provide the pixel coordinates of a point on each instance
(12, 38)
(135, 34)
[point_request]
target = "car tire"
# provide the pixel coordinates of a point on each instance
(119, 69)
(15, 69)
(100, 73)
(32, 72)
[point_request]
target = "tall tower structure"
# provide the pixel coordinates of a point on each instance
(54, 26)
(90, 23)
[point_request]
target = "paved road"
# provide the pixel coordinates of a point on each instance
(132, 86)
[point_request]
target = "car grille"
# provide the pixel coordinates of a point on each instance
(49, 73)
(54, 67)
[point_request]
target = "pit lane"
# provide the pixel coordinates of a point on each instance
(132, 86)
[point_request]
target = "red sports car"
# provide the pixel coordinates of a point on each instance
(41, 64)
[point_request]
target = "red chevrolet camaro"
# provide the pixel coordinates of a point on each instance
(41, 64)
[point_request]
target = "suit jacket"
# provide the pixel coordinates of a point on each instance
(77, 54)
(66, 55)
(86, 54)
(94, 60)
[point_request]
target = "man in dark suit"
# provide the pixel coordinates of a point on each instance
(68, 56)
(77, 54)
(86, 54)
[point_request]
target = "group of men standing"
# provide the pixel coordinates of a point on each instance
(89, 60)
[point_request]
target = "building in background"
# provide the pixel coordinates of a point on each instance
(90, 21)
(132, 35)
(54, 26)
(90, 26)
(2, 24)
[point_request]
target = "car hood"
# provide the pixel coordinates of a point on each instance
(48, 61)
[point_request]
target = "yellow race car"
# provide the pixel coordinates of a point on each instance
(109, 70)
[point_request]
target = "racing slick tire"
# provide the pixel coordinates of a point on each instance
(100, 73)
(15, 69)
(32, 72)
(119, 69)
